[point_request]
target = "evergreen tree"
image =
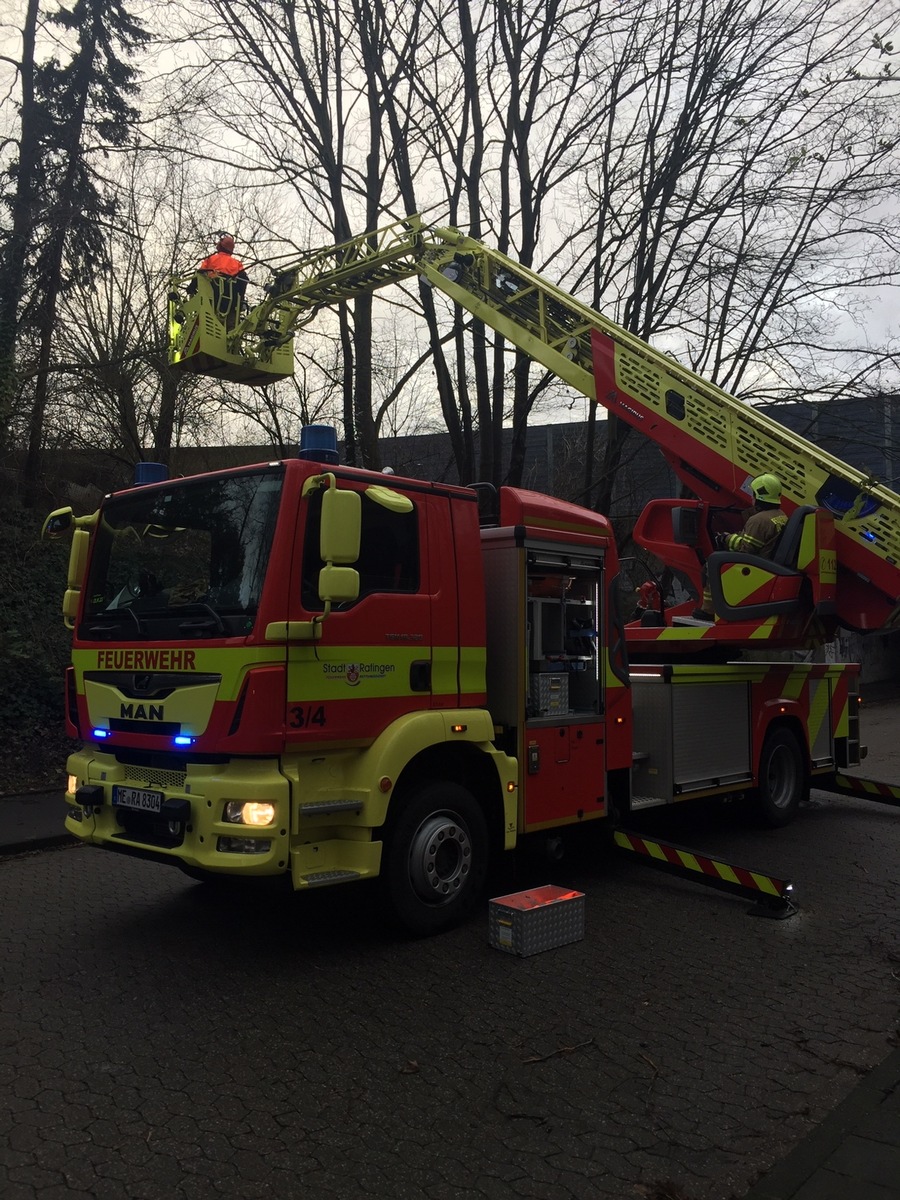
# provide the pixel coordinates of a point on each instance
(81, 108)
(20, 199)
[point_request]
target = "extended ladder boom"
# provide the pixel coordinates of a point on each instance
(714, 442)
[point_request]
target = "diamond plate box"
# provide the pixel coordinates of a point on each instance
(550, 695)
(542, 918)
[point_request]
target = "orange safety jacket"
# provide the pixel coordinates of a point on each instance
(221, 263)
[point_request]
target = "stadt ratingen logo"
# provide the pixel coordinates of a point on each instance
(354, 673)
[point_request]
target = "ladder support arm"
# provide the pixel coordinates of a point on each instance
(714, 442)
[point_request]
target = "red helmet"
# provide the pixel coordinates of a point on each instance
(225, 243)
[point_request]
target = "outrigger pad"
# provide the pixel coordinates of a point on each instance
(773, 910)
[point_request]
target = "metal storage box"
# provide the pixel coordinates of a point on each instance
(528, 922)
(550, 695)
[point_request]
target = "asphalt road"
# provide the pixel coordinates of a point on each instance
(161, 1040)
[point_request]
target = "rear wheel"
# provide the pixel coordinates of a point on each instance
(782, 779)
(436, 858)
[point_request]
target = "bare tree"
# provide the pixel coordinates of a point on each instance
(309, 113)
(708, 172)
(498, 101)
(734, 208)
(110, 385)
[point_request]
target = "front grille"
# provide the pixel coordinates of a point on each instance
(163, 760)
(157, 776)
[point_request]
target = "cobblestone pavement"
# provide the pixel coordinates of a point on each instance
(162, 1039)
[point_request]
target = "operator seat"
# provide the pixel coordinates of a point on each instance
(787, 547)
(750, 587)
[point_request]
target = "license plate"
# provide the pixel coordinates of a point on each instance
(140, 799)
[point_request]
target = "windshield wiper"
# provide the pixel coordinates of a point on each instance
(112, 622)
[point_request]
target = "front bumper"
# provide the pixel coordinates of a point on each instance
(189, 827)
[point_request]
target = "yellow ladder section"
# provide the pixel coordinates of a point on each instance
(556, 330)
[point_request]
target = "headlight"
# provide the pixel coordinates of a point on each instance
(249, 812)
(71, 783)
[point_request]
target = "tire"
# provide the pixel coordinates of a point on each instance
(435, 859)
(782, 779)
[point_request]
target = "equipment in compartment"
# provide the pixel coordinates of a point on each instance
(549, 695)
(562, 641)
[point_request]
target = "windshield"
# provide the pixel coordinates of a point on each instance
(186, 560)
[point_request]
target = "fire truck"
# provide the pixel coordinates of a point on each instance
(329, 674)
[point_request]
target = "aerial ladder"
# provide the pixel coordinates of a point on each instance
(838, 561)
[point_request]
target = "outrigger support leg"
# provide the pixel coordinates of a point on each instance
(770, 895)
(864, 789)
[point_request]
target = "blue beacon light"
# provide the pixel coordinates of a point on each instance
(319, 443)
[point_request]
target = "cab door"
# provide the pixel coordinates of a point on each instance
(374, 660)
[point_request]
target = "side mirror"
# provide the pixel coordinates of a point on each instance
(338, 585)
(389, 499)
(58, 523)
(341, 526)
(78, 555)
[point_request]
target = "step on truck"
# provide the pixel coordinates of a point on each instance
(323, 673)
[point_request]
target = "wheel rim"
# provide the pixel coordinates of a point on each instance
(781, 777)
(440, 858)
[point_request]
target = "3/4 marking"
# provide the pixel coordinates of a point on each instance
(302, 716)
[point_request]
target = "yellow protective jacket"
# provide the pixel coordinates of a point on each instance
(760, 533)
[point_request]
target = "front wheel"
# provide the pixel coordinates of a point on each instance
(782, 779)
(436, 858)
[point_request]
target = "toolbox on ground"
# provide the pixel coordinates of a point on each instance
(539, 919)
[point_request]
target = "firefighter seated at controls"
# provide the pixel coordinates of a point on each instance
(227, 275)
(762, 529)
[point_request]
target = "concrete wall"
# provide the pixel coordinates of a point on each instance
(878, 654)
